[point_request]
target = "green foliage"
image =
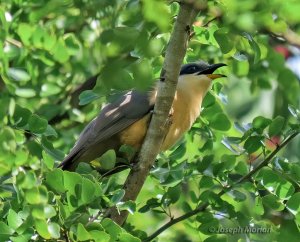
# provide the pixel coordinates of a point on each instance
(48, 49)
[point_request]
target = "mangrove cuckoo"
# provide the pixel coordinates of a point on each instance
(125, 121)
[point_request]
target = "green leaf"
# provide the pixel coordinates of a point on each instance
(48, 147)
(36, 195)
(206, 182)
(48, 160)
(143, 74)
(203, 164)
(38, 212)
(208, 100)
(21, 157)
(118, 195)
(49, 89)
(50, 131)
(272, 202)
(220, 122)
(294, 111)
(270, 179)
(276, 126)
(111, 228)
(4, 229)
(82, 233)
(261, 122)
(99, 236)
(205, 217)
(13, 219)
(205, 35)
(49, 211)
(254, 46)
(28, 180)
(108, 160)
(60, 52)
(72, 43)
(221, 36)
(241, 168)
(72, 181)
(3, 21)
(21, 116)
(291, 87)
(253, 143)
(157, 12)
(25, 92)
(216, 238)
(293, 204)
(174, 193)
(18, 74)
(126, 237)
(238, 196)
(54, 179)
(36, 124)
(284, 190)
(240, 57)
(87, 96)
(240, 68)
(49, 41)
(206, 228)
(54, 230)
(130, 206)
(151, 203)
(25, 32)
(42, 228)
(88, 190)
(258, 209)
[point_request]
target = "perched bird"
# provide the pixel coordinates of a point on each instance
(126, 120)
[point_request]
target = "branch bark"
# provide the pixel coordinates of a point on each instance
(175, 53)
(204, 205)
(289, 36)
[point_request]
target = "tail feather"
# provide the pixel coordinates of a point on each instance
(70, 162)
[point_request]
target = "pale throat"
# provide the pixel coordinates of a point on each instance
(186, 107)
(191, 92)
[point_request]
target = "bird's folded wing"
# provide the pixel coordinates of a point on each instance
(113, 118)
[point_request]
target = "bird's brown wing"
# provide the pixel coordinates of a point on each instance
(113, 118)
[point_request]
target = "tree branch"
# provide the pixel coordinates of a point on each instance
(289, 36)
(204, 205)
(175, 53)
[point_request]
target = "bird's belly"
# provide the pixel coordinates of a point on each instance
(182, 120)
(177, 129)
(134, 135)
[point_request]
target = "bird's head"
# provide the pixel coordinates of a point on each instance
(198, 76)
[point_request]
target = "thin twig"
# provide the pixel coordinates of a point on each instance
(93, 218)
(14, 42)
(204, 205)
(209, 21)
(289, 36)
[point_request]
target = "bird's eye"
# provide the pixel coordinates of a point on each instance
(193, 68)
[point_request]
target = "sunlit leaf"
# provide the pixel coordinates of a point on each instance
(87, 96)
(18, 74)
(276, 126)
(37, 124)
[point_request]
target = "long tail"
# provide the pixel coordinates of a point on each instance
(70, 162)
